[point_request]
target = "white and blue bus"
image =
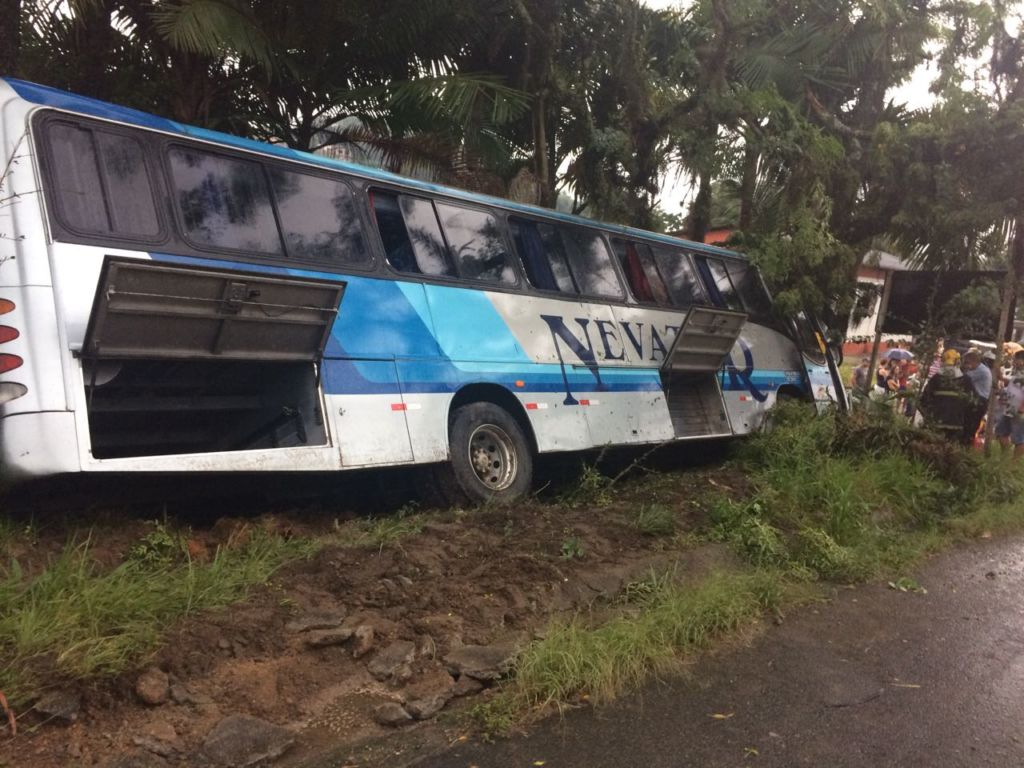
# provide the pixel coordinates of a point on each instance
(175, 300)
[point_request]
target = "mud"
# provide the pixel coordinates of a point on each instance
(468, 578)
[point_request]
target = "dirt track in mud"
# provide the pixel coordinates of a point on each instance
(488, 577)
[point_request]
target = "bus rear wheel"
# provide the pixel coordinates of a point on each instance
(491, 460)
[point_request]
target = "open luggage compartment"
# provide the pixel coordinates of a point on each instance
(689, 373)
(181, 359)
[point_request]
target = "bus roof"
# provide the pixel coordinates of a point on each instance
(52, 97)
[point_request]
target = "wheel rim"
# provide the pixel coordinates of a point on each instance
(492, 455)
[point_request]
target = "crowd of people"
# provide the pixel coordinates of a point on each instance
(955, 393)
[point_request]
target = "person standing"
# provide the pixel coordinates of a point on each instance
(980, 377)
(861, 374)
(1010, 427)
(946, 397)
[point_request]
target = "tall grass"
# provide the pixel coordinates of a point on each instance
(668, 620)
(847, 498)
(75, 620)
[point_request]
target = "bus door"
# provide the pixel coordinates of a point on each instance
(689, 373)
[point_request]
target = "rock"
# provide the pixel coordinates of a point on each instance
(391, 713)
(224, 644)
(483, 662)
(62, 706)
(153, 687)
(137, 761)
(239, 741)
(467, 686)
(322, 638)
(156, 746)
(403, 673)
(424, 709)
(607, 583)
(330, 620)
(362, 641)
(162, 730)
(388, 660)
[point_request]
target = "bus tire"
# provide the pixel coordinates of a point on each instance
(491, 460)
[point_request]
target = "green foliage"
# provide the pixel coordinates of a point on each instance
(80, 621)
(573, 659)
(593, 488)
(572, 549)
(380, 532)
(655, 520)
(847, 497)
(159, 547)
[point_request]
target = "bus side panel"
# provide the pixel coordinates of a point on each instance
(367, 412)
(761, 362)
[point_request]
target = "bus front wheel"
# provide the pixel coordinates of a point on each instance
(491, 460)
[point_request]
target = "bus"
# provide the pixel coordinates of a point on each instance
(177, 300)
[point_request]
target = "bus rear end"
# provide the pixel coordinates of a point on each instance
(37, 429)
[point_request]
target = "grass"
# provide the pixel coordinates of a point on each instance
(835, 498)
(380, 532)
(574, 661)
(655, 520)
(77, 621)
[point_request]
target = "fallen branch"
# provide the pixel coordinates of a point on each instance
(11, 721)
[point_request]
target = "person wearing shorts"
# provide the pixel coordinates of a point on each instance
(1010, 427)
(1010, 430)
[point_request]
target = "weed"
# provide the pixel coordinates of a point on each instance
(81, 622)
(655, 520)
(572, 549)
(380, 532)
(159, 547)
(593, 488)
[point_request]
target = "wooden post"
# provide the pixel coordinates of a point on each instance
(883, 308)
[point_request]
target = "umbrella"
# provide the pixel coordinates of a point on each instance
(899, 354)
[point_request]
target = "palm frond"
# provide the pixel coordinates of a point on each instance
(213, 28)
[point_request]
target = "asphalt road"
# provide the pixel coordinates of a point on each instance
(876, 678)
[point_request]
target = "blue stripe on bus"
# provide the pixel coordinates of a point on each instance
(53, 97)
(403, 355)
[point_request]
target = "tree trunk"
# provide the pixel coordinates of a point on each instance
(540, 151)
(10, 36)
(700, 218)
(94, 45)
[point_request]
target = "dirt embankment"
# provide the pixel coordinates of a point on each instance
(344, 647)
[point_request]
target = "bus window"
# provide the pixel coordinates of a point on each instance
(751, 289)
(566, 259)
(88, 162)
(410, 234)
(318, 218)
(722, 289)
(476, 244)
(543, 257)
(590, 262)
(224, 202)
(682, 281)
(641, 272)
